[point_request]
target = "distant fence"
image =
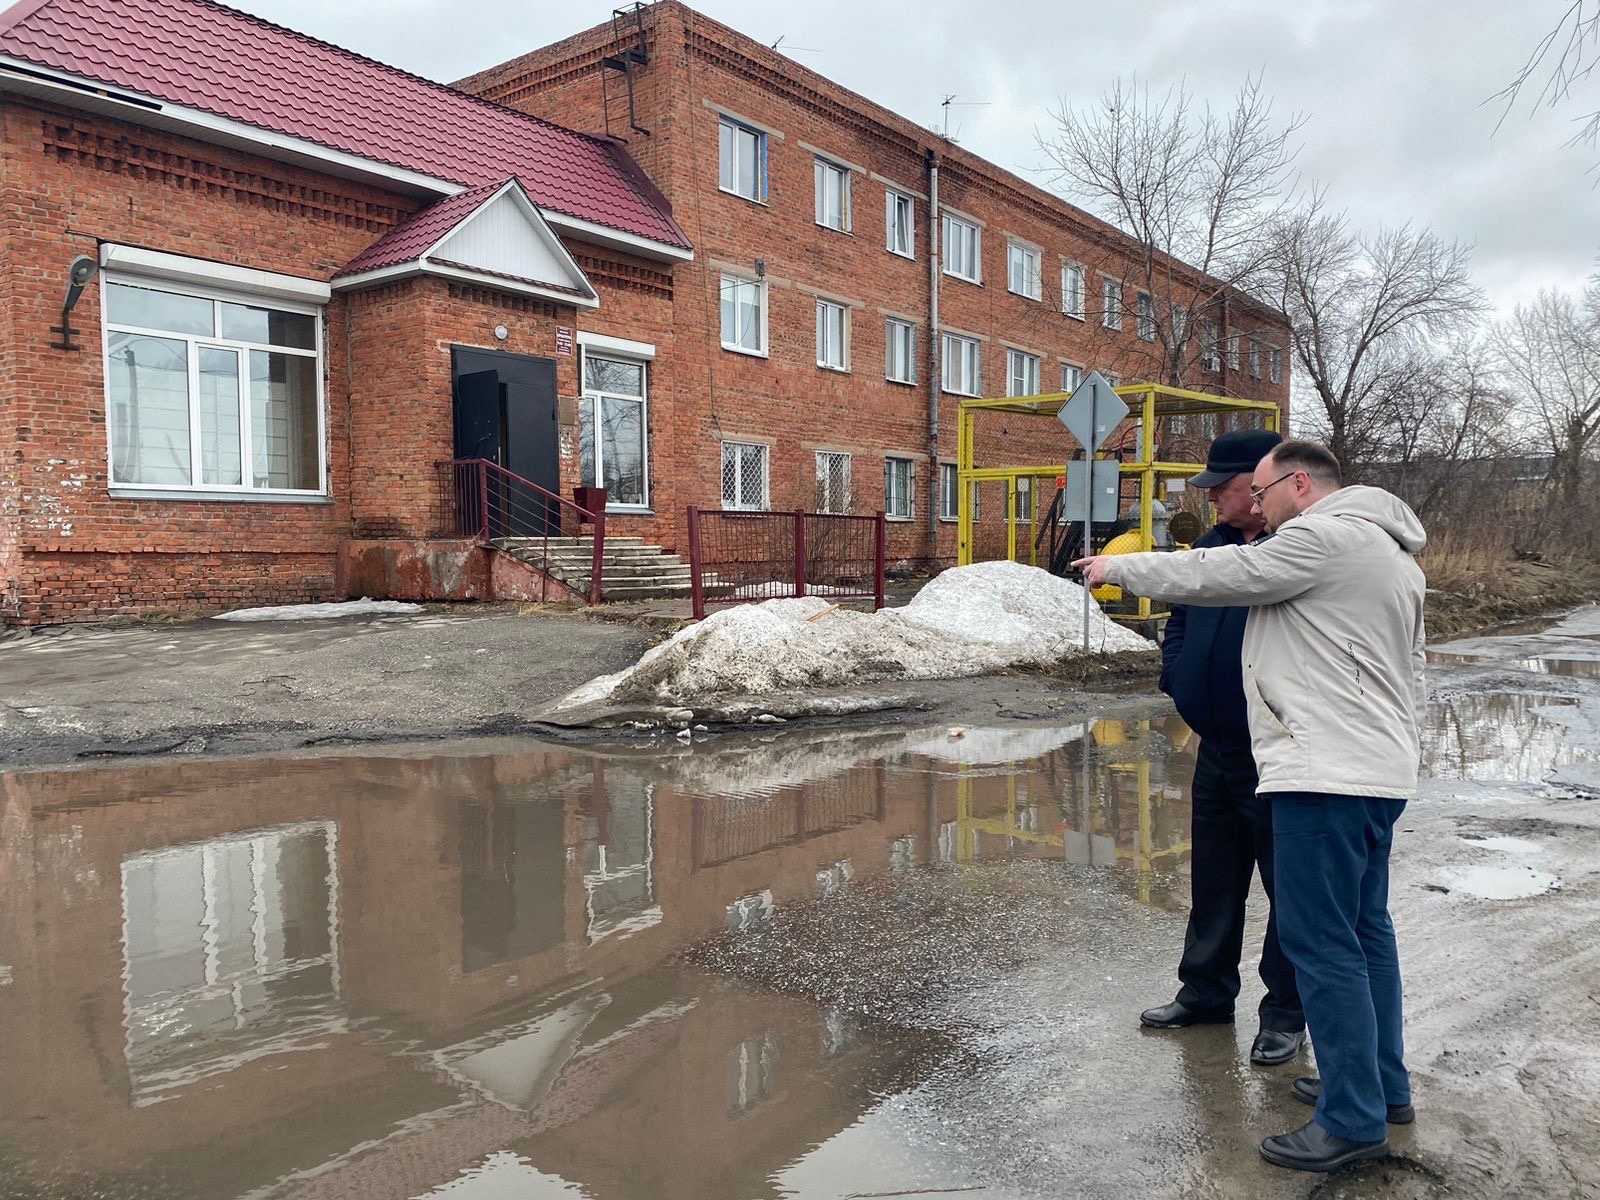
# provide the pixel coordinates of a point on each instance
(746, 557)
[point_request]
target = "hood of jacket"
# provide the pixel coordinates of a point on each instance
(1376, 506)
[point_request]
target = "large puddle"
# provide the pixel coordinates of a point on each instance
(456, 975)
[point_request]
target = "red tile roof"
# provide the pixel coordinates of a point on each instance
(412, 238)
(202, 55)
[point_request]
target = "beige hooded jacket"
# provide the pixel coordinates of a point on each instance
(1333, 647)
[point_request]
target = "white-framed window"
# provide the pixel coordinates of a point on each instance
(833, 336)
(1275, 365)
(1210, 346)
(1071, 377)
(1024, 500)
(231, 950)
(1111, 302)
(961, 366)
(613, 429)
(833, 195)
(742, 160)
(1147, 317)
(1022, 270)
(1180, 325)
(744, 476)
(1255, 358)
(898, 480)
(1233, 352)
(744, 314)
(900, 350)
(833, 482)
(211, 391)
(1072, 290)
(1022, 373)
(949, 492)
(963, 246)
(900, 223)
(977, 501)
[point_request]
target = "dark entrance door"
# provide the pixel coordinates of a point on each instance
(505, 411)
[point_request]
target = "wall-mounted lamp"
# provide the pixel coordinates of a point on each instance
(501, 333)
(761, 268)
(78, 276)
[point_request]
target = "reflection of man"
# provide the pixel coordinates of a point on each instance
(1232, 826)
(1333, 654)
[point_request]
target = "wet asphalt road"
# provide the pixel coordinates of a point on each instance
(903, 960)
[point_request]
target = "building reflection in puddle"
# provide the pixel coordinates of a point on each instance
(421, 976)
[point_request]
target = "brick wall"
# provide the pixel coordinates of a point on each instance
(699, 68)
(71, 551)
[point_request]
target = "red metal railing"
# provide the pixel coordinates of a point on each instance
(481, 499)
(745, 557)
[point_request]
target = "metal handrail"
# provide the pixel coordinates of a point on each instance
(483, 495)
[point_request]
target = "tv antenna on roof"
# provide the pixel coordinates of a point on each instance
(946, 104)
(777, 45)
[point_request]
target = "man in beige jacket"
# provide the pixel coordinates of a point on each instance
(1333, 656)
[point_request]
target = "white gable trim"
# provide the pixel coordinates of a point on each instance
(438, 259)
(474, 229)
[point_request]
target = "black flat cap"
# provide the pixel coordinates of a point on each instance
(1235, 453)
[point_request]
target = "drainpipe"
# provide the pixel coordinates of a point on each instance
(935, 350)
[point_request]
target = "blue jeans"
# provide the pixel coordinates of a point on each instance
(1333, 922)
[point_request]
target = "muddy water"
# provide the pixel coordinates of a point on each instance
(458, 974)
(525, 970)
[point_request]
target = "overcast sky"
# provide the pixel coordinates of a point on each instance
(1396, 90)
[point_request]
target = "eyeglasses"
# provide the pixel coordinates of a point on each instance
(1257, 493)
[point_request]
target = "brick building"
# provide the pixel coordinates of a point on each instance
(305, 302)
(857, 274)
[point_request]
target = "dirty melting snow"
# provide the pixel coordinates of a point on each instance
(967, 621)
(321, 612)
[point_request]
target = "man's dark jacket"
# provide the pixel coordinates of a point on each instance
(1201, 650)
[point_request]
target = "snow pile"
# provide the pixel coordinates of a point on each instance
(321, 612)
(967, 621)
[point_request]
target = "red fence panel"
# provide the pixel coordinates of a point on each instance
(740, 557)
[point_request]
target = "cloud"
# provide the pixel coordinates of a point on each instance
(1399, 129)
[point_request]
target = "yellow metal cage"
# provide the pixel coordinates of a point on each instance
(1163, 423)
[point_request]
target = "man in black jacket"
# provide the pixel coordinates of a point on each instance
(1232, 827)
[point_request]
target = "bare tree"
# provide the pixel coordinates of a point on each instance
(1566, 57)
(1551, 355)
(1199, 190)
(1365, 310)
(1441, 423)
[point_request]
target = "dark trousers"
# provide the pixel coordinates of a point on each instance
(1232, 837)
(1333, 912)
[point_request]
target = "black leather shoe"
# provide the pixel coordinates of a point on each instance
(1308, 1090)
(1181, 1016)
(1313, 1148)
(1272, 1048)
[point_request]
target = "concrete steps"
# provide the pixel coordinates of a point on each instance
(632, 569)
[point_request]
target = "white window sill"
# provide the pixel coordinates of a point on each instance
(899, 520)
(821, 366)
(1021, 295)
(748, 199)
(901, 382)
(742, 350)
(950, 520)
(978, 282)
(968, 395)
(834, 228)
(629, 510)
(137, 493)
(901, 254)
(1072, 316)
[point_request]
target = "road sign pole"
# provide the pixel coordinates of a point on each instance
(1088, 515)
